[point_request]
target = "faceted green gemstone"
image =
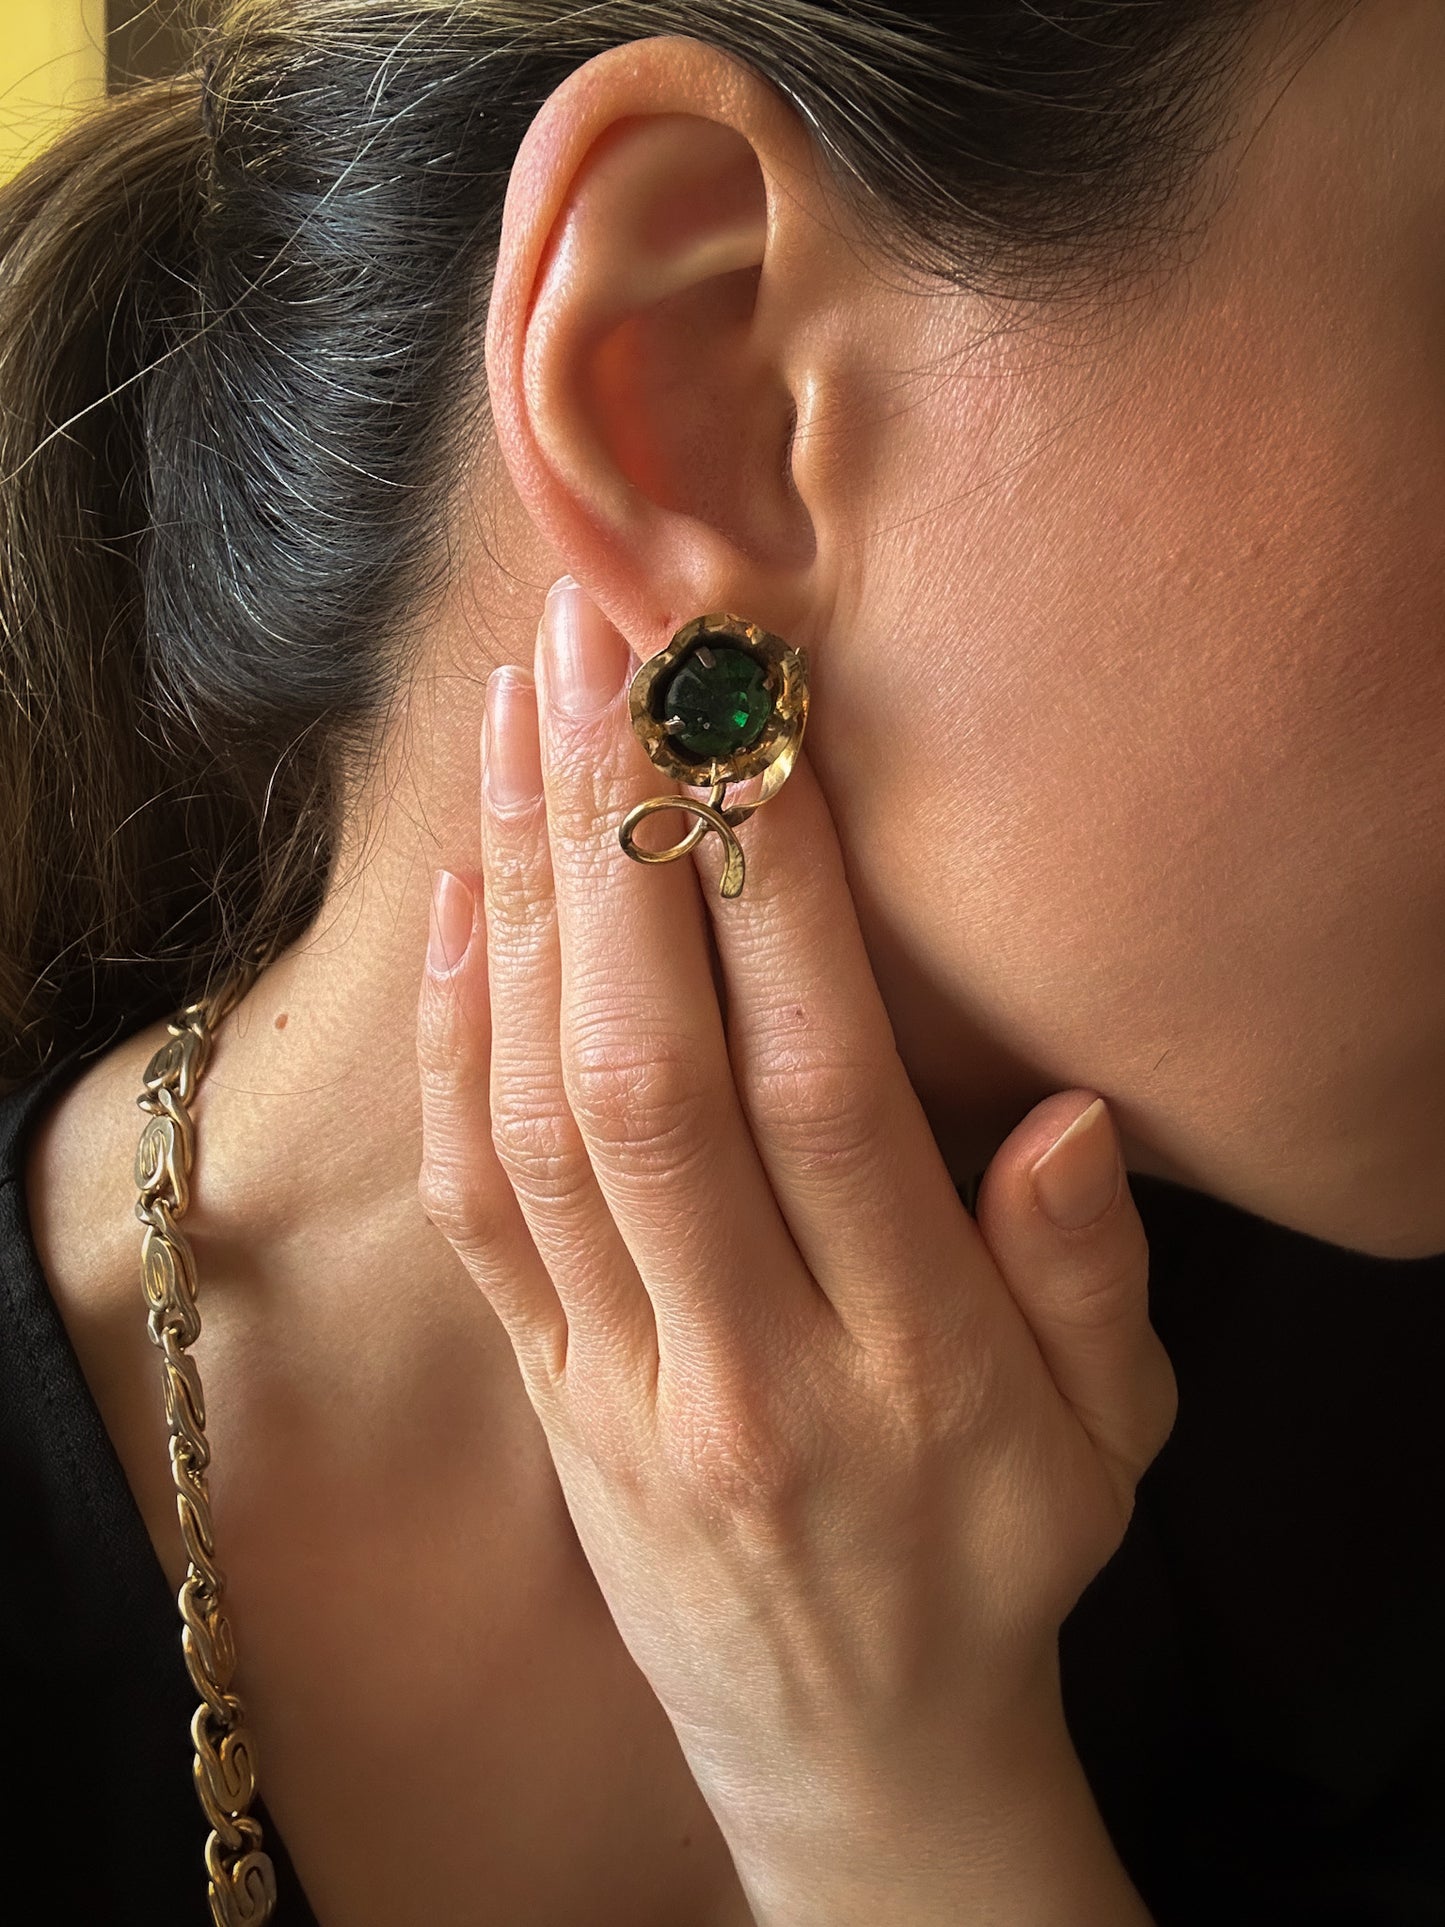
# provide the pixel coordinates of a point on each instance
(721, 700)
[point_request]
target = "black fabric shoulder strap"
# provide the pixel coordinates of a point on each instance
(103, 1811)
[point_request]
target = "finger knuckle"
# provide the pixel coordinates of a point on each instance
(440, 1037)
(521, 909)
(934, 1383)
(537, 1145)
(637, 1099)
(460, 1208)
(738, 1468)
(1096, 1300)
(1108, 1289)
(512, 876)
(582, 814)
(814, 1110)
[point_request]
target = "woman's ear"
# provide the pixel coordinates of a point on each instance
(661, 333)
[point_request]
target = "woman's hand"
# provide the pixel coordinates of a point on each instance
(841, 1458)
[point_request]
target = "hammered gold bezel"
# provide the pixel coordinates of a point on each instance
(786, 670)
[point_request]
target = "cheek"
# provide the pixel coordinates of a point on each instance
(1149, 787)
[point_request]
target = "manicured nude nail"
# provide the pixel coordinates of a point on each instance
(586, 659)
(1077, 1178)
(450, 933)
(511, 754)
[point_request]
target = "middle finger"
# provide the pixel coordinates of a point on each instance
(644, 1051)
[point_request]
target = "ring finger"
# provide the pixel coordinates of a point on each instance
(533, 1131)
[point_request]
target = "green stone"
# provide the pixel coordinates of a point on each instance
(720, 698)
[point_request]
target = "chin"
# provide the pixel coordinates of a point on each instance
(1374, 1199)
(1399, 1240)
(1373, 1211)
(1369, 1213)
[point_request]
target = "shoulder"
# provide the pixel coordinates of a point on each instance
(73, 1160)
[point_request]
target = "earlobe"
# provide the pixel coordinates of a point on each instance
(642, 346)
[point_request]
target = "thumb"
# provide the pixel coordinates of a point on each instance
(1059, 1219)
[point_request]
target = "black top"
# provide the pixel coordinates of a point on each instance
(1255, 1682)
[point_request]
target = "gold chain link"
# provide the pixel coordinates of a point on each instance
(242, 1882)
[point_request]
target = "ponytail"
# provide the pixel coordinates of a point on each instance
(114, 820)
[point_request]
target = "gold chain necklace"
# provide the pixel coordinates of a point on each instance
(242, 1881)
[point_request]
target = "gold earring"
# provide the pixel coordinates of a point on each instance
(724, 701)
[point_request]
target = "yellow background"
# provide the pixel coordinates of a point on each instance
(52, 61)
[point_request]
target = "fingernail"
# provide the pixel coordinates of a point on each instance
(586, 660)
(1077, 1178)
(511, 754)
(451, 923)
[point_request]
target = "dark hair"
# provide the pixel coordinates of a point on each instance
(237, 311)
